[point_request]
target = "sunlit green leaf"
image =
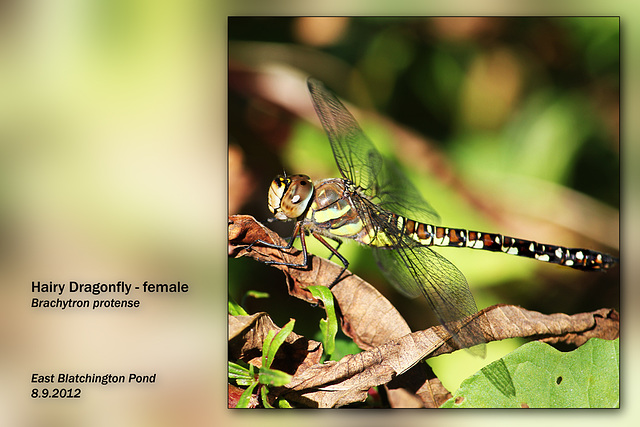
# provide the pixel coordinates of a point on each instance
(273, 377)
(328, 326)
(245, 398)
(269, 349)
(266, 346)
(235, 309)
(284, 404)
(543, 377)
(243, 376)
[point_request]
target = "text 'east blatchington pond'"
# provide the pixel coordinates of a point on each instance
(72, 294)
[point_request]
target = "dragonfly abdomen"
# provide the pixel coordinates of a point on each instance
(431, 235)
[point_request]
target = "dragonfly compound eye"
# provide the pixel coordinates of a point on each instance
(276, 193)
(297, 196)
(289, 196)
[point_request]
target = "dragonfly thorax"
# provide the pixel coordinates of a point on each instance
(289, 196)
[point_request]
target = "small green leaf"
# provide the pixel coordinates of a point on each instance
(235, 309)
(273, 377)
(284, 404)
(275, 343)
(238, 371)
(242, 375)
(266, 347)
(543, 377)
(235, 369)
(254, 294)
(245, 398)
(328, 326)
(265, 402)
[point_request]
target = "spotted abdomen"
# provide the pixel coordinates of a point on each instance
(431, 235)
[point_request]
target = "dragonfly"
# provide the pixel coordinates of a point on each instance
(375, 204)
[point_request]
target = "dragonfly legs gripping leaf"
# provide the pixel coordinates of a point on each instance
(298, 232)
(334, 251)
(286, 247)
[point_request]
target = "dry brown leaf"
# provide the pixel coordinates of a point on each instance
(347, 381)
(247, 333)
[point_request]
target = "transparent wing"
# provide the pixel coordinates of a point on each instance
(360, 162)
(383, 188)
(397, 194)
(421, 270)
(415, 269)
(357, 158)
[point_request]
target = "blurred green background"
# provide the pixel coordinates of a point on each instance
(506, 125)
(108, 165)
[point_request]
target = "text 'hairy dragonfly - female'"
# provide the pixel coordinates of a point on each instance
(376, 205)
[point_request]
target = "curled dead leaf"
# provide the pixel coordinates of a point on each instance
(347, 380)
(247, 333)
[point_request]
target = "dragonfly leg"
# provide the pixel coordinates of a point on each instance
(297, 231)
(334, 251)
(339, 242)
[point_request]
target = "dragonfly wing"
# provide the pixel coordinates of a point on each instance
(416, 269)
(361, 163)
(382, 188)
(396, 193)
(357, 157)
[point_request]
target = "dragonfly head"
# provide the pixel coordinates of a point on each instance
(289, 196)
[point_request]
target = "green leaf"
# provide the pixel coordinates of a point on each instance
(273, 377)
(344, 347)
(238, 371)
(266, 347)
(328, 326)
(245, 398)
(235, 309)
(242, 375)
(265, 402)
(284, 404)
(543, 377)
(270, 348)
(498, 374)
(254, 294)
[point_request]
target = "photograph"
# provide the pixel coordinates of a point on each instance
(368, 156)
